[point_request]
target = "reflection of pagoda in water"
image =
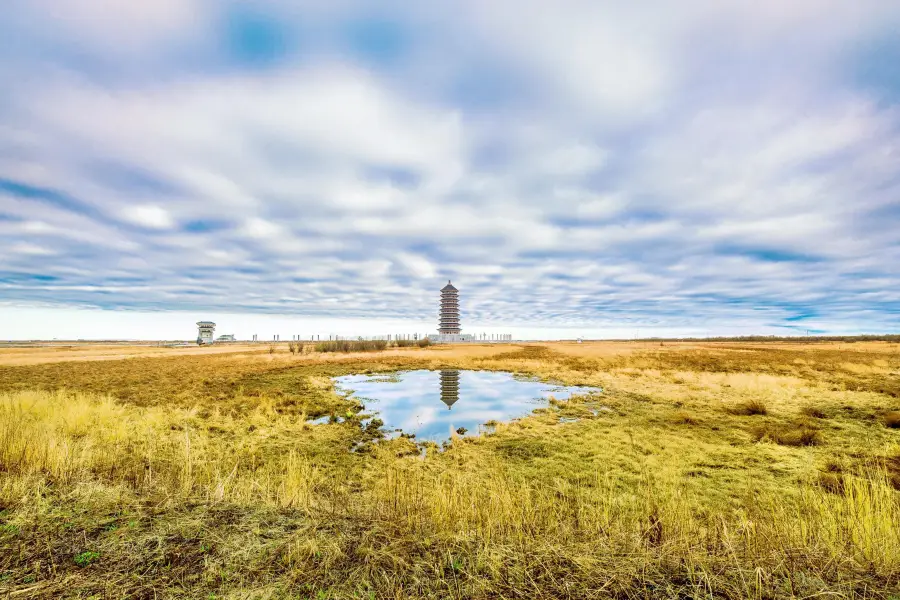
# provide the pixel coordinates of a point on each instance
(449, 387)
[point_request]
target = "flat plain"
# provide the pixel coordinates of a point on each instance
(727, 470)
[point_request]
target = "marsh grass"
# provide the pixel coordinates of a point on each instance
(236, 495)
(351, 346)
(488, 518)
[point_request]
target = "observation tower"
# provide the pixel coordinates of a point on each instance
(205, 332)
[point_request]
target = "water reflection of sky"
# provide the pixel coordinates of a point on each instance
(431, 404)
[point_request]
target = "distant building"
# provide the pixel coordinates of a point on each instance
(205, 332)
(228, 337)
(449, 317)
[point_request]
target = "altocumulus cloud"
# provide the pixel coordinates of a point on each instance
(719, 167)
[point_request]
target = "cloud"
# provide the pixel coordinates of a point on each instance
(27, 249)
(152, 217)
(130, 29)
(568, 165)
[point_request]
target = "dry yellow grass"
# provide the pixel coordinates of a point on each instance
(200, 477)
(59, 352)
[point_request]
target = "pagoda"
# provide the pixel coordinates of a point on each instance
(449, 321)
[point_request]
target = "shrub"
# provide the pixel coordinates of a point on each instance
(749, 407)
(892, 419)
(351, 346)
(86, 558)
(412, 343)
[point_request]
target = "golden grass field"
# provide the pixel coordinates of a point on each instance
(719, 470)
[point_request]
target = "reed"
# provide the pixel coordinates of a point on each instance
(351, 346)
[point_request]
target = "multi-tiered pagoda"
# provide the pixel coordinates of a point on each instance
(449, 324)
(449, 387)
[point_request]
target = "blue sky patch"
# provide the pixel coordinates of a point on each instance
(875, 69)
(257, 39)
(204, 226)
(377, 40)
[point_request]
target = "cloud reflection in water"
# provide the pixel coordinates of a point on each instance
(432, 404)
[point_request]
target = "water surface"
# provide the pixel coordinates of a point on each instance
(432, 404)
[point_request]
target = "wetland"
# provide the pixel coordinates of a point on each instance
(432, 405)
(702, 469)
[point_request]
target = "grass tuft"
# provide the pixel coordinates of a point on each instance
(799, 434)
(892, 466)
(749, 407)
(682, 417)
(831, 482)
(892, 419)
(813, 412)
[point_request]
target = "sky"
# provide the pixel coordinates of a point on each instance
(576, 168)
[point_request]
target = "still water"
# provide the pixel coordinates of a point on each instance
(432, 404)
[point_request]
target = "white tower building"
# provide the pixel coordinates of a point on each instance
(205, 332)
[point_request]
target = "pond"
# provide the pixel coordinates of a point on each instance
(432, 404)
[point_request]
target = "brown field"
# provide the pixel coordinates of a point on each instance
(35, 354)
(727, 470)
